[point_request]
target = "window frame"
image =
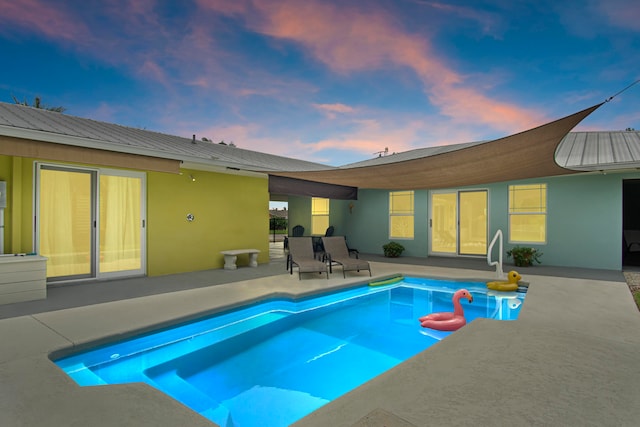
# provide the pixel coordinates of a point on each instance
(315, 232)
(543, 210)
(411, 214)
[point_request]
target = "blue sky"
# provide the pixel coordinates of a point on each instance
(331, 81)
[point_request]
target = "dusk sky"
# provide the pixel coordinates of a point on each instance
(331, 81)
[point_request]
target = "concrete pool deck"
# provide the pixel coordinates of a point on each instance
(571, 358)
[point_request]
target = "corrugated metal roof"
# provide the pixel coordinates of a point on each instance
(43, 125)
(591, 151)
(411, 154)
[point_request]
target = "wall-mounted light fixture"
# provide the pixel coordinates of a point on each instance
(193, 178)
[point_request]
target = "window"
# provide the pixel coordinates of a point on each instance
(528, 213)
(401, 215)
(319, 215)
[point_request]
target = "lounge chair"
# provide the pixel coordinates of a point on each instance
(336, 251)
(318, 248)
(301, 255)
(631, 238)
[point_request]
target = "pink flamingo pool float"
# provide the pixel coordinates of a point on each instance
(448, 321)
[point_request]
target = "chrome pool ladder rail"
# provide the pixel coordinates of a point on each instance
(498, 263)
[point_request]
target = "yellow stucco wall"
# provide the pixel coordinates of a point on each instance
(6, 172)
(18, 232)
(231, 212)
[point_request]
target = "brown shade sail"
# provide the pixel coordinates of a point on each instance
(529, 154)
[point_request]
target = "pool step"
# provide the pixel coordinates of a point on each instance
(175, 386)
(80, 367)
(83, 375)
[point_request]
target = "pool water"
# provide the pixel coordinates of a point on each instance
(275, 362)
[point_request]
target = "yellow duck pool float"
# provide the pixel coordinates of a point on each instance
(510, 285)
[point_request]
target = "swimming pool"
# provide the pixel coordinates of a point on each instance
(273, 363)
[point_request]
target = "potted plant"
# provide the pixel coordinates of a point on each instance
(524, 256)
(392, 249)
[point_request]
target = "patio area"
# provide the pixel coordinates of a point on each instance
(570, 358)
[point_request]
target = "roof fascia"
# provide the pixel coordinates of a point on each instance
(229, 168)
(191, 162)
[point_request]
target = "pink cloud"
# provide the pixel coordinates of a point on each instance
(487, 21)
(468, 106)
(52, 21)
(348, 40)
(151, 69)
(395, 132)
(103, 112)
(363, 140)
(621, 13)
(333, 110)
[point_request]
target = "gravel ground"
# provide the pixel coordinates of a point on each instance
(633, 280)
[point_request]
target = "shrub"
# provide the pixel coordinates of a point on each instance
(392, 249)
(276, 223)
(523, 256)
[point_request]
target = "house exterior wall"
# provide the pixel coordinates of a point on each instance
(368, 223)
(300, 213)
(584, 219)
(585, 222)
(299, 210)
(17, 172)
(6, 175)
(231, 212)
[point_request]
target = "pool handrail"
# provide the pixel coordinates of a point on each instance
(498, 263)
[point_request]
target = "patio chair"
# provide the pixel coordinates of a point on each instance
(297, 231)
(301, 255)
(318, 248)
(336, 251)
(631, 238)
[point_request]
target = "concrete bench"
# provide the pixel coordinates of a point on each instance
(230, 258)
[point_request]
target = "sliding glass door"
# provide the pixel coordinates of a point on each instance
(458, 224)
(444, 218)
(90, 223)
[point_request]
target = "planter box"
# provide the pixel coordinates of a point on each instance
(22, 278)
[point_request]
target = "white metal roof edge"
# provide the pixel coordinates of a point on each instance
(621, 167)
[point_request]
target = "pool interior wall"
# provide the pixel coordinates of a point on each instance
(182, 373)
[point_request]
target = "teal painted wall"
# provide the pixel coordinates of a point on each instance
(365, 222)
(300, 214)
(584, 220)
(368, 222)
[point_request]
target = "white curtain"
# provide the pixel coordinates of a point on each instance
(65, 222)
(120, 217)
